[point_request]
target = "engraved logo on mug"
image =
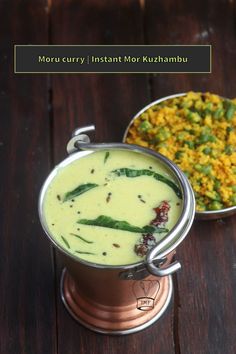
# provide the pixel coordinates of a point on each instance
(145, 292)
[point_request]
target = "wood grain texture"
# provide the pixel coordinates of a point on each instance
(27, 306)
(106, 100)
(207, 284)
(109, 101)
(37, 116)
(181, 22)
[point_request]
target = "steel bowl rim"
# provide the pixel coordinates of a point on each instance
(207, 214)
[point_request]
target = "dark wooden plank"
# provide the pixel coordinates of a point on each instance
(207, 297)
(27, 311)
(180, 22)
(85, 99)
(109, 101)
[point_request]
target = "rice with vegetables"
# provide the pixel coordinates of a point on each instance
(198, 132)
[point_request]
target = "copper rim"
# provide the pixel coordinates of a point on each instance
(102, 319)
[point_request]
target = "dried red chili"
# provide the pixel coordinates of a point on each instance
(161, 214)
(148, 240)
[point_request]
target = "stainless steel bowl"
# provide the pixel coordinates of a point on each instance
(171, 240)
(200, 215)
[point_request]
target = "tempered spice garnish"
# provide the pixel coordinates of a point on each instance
(92, 171)
(141, 199)
(108, 198)
(58, 197)
(140, 249)
(161, 214)
(148, 240)
(116, 245)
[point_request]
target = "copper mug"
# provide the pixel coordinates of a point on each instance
(127, 298)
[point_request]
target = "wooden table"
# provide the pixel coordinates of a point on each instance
(38, 113)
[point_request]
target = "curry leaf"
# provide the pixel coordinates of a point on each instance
(79, 190)
(107, 221)
(150, 229)
(137, 173)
